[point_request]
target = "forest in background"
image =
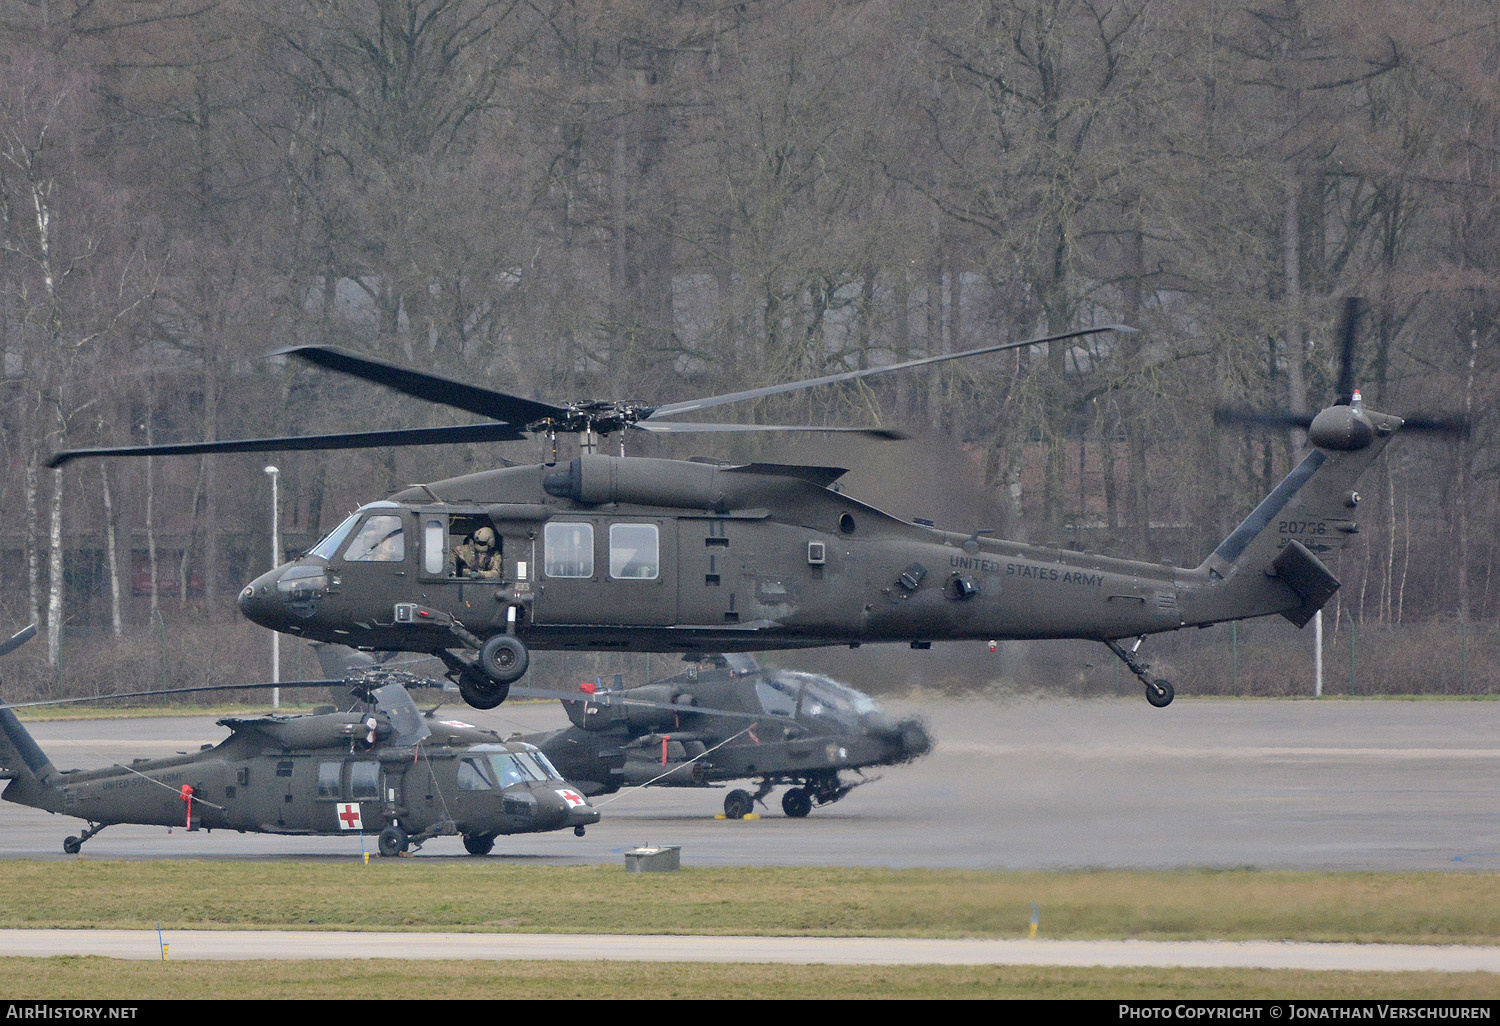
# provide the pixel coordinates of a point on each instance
(663, 200)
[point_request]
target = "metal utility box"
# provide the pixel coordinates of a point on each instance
(664, 859)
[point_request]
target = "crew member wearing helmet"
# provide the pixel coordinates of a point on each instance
(478, 556)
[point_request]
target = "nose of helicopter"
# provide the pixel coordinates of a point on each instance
(570, 807)
(260, 602)
(258, 599)
(907, 740)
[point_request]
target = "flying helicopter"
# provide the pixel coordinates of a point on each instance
(796, 728)
(381, 767)
(622, 553)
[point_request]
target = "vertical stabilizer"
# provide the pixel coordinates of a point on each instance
(19, 752)
(1274, 561)
(20, 757)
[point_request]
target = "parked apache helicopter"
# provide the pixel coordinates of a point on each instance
(723, 718)
(795, 728)
(658, 555)
(382, 767)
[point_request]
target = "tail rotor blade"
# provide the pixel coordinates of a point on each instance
(1450, 427)
(1348, 326)
(1263, 418)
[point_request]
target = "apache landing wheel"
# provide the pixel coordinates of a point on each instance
(738, 804)
(1159, 693)
(73, 845)
(796, 803)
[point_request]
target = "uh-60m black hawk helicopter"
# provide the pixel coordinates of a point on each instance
(381, 767)
(660, 555)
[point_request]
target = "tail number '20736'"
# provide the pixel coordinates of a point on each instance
(1302, 527)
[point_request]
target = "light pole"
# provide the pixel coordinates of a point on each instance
(275, 476)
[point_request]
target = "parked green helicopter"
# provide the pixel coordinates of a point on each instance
(382, 767)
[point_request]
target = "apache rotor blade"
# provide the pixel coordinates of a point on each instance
(684, 427)
(622, 699)
(445, 391)
(344, 440)
(671, 409)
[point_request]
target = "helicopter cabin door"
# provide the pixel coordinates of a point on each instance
(607, 570)
(710, 587)
(463, 547)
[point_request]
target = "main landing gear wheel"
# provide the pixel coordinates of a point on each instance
(1159, 693)
(796, 803)
(393, 841)
(504, 659)
(479, 844)
(480, 692)
(73, 845)
(738, 804)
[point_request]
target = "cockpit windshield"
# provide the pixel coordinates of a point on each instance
(824, 697)
(777, 697)
(330, 544)
(523, 767)
(335, 538)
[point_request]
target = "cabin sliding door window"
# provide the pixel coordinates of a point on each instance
(568, 550)
(434, 545)
(634, 552)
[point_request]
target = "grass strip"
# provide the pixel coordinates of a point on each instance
(494, 895)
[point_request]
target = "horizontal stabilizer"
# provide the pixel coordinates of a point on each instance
(1305, 574)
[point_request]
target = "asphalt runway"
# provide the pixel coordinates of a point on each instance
(1014, 783)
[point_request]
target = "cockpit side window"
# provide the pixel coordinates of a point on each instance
(380, 540)
(474, 775)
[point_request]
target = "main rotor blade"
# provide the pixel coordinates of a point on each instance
(342, 682)
(344, 440)
(685, 427)
(445, 391)
(671, 409)
(18, 639)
